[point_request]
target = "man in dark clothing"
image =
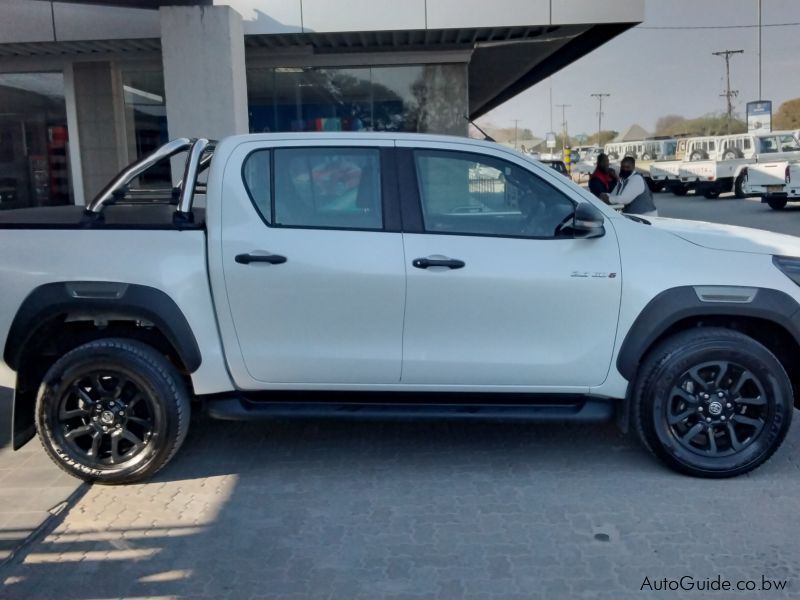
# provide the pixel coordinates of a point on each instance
(632, 191)
(603, 180)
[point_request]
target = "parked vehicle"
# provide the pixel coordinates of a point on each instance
(644, 150)
(712, 178)
(666, 175)
(557, 165)
(776, 183)
(411, 290)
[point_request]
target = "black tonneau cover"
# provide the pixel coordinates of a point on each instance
(123, 216)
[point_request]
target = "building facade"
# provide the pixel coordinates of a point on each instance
(87, 87)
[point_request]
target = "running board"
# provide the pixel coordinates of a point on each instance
(590, 410)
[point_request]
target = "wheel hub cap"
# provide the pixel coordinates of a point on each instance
(107, 417)
(714, 409)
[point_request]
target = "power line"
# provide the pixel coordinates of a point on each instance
(719, 26)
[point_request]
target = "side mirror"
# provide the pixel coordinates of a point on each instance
(588, 221)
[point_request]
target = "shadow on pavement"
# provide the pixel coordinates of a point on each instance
(338, 510)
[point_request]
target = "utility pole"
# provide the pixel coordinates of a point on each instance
(564, 108)
(516, 121)
(729, 94)
(759, 51)
(600, 114)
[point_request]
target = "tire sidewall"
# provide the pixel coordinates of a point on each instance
(128, 360)
(656, 394)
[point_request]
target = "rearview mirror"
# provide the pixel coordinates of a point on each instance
(588, 221)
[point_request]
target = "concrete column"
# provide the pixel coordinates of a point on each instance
(98, 105)
(204, 71)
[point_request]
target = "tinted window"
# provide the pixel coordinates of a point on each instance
(475, 194)
(328, 187)
(256, 173)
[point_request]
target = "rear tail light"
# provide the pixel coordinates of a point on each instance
(788, 174)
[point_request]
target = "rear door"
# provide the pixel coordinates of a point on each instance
(313, 264)
(496, 297)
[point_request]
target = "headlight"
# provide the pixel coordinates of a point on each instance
(789, 265)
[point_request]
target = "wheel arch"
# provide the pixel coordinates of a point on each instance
(58, 317)
(769, 316)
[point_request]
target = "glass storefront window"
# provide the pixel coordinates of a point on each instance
(146, 122)
(34, 151)
(421, 98)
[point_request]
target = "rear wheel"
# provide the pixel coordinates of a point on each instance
(712, 402)
(112, 411)
(777, 203)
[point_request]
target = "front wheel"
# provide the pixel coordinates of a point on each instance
(738, 187)
(112, 411)
(712, 402)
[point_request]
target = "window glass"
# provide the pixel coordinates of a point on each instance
(476, 194)
(711, 145)
(256, 173)
(146, 123)
(788, 143)
(747, 144)
(34, 149)
(328, 187)
(381, 98)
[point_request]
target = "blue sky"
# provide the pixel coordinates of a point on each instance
(651, 73)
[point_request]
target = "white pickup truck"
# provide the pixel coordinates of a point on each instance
(380, 276)
(714, 177)
(776, 183)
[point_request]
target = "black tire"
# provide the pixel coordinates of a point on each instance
(777, 203)
(738, 187)
(711, 194)
(646, 156)
(679, 190)
(112, 411)
(749, 402)
(698, 155)
(656, 186)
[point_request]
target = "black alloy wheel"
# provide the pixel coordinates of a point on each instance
(712, 402)
(112, 411)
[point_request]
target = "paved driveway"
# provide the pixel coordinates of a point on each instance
(422, 510)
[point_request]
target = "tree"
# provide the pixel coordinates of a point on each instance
(713, 124)
(605, 137)
(788, 115)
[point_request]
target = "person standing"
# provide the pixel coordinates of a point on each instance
(632, 191)
(603, 180)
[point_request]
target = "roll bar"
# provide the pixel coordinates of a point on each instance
(195, 163)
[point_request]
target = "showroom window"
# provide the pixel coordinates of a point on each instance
(146, 122)
(34, 150)
(415, 98)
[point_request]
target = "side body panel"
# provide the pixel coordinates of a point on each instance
(654, 260)
(171, 261)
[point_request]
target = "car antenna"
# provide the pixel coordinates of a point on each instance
(486, 136)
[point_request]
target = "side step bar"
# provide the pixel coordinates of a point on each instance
(589, 410)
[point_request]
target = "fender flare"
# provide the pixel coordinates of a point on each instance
(100, 299)
(679, 303)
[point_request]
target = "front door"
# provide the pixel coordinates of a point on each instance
(315, 280)
(499, 293)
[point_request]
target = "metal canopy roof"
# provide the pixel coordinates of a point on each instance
(504, 60)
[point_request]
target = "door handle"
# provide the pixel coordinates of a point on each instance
(450, 263)
(273, 259)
